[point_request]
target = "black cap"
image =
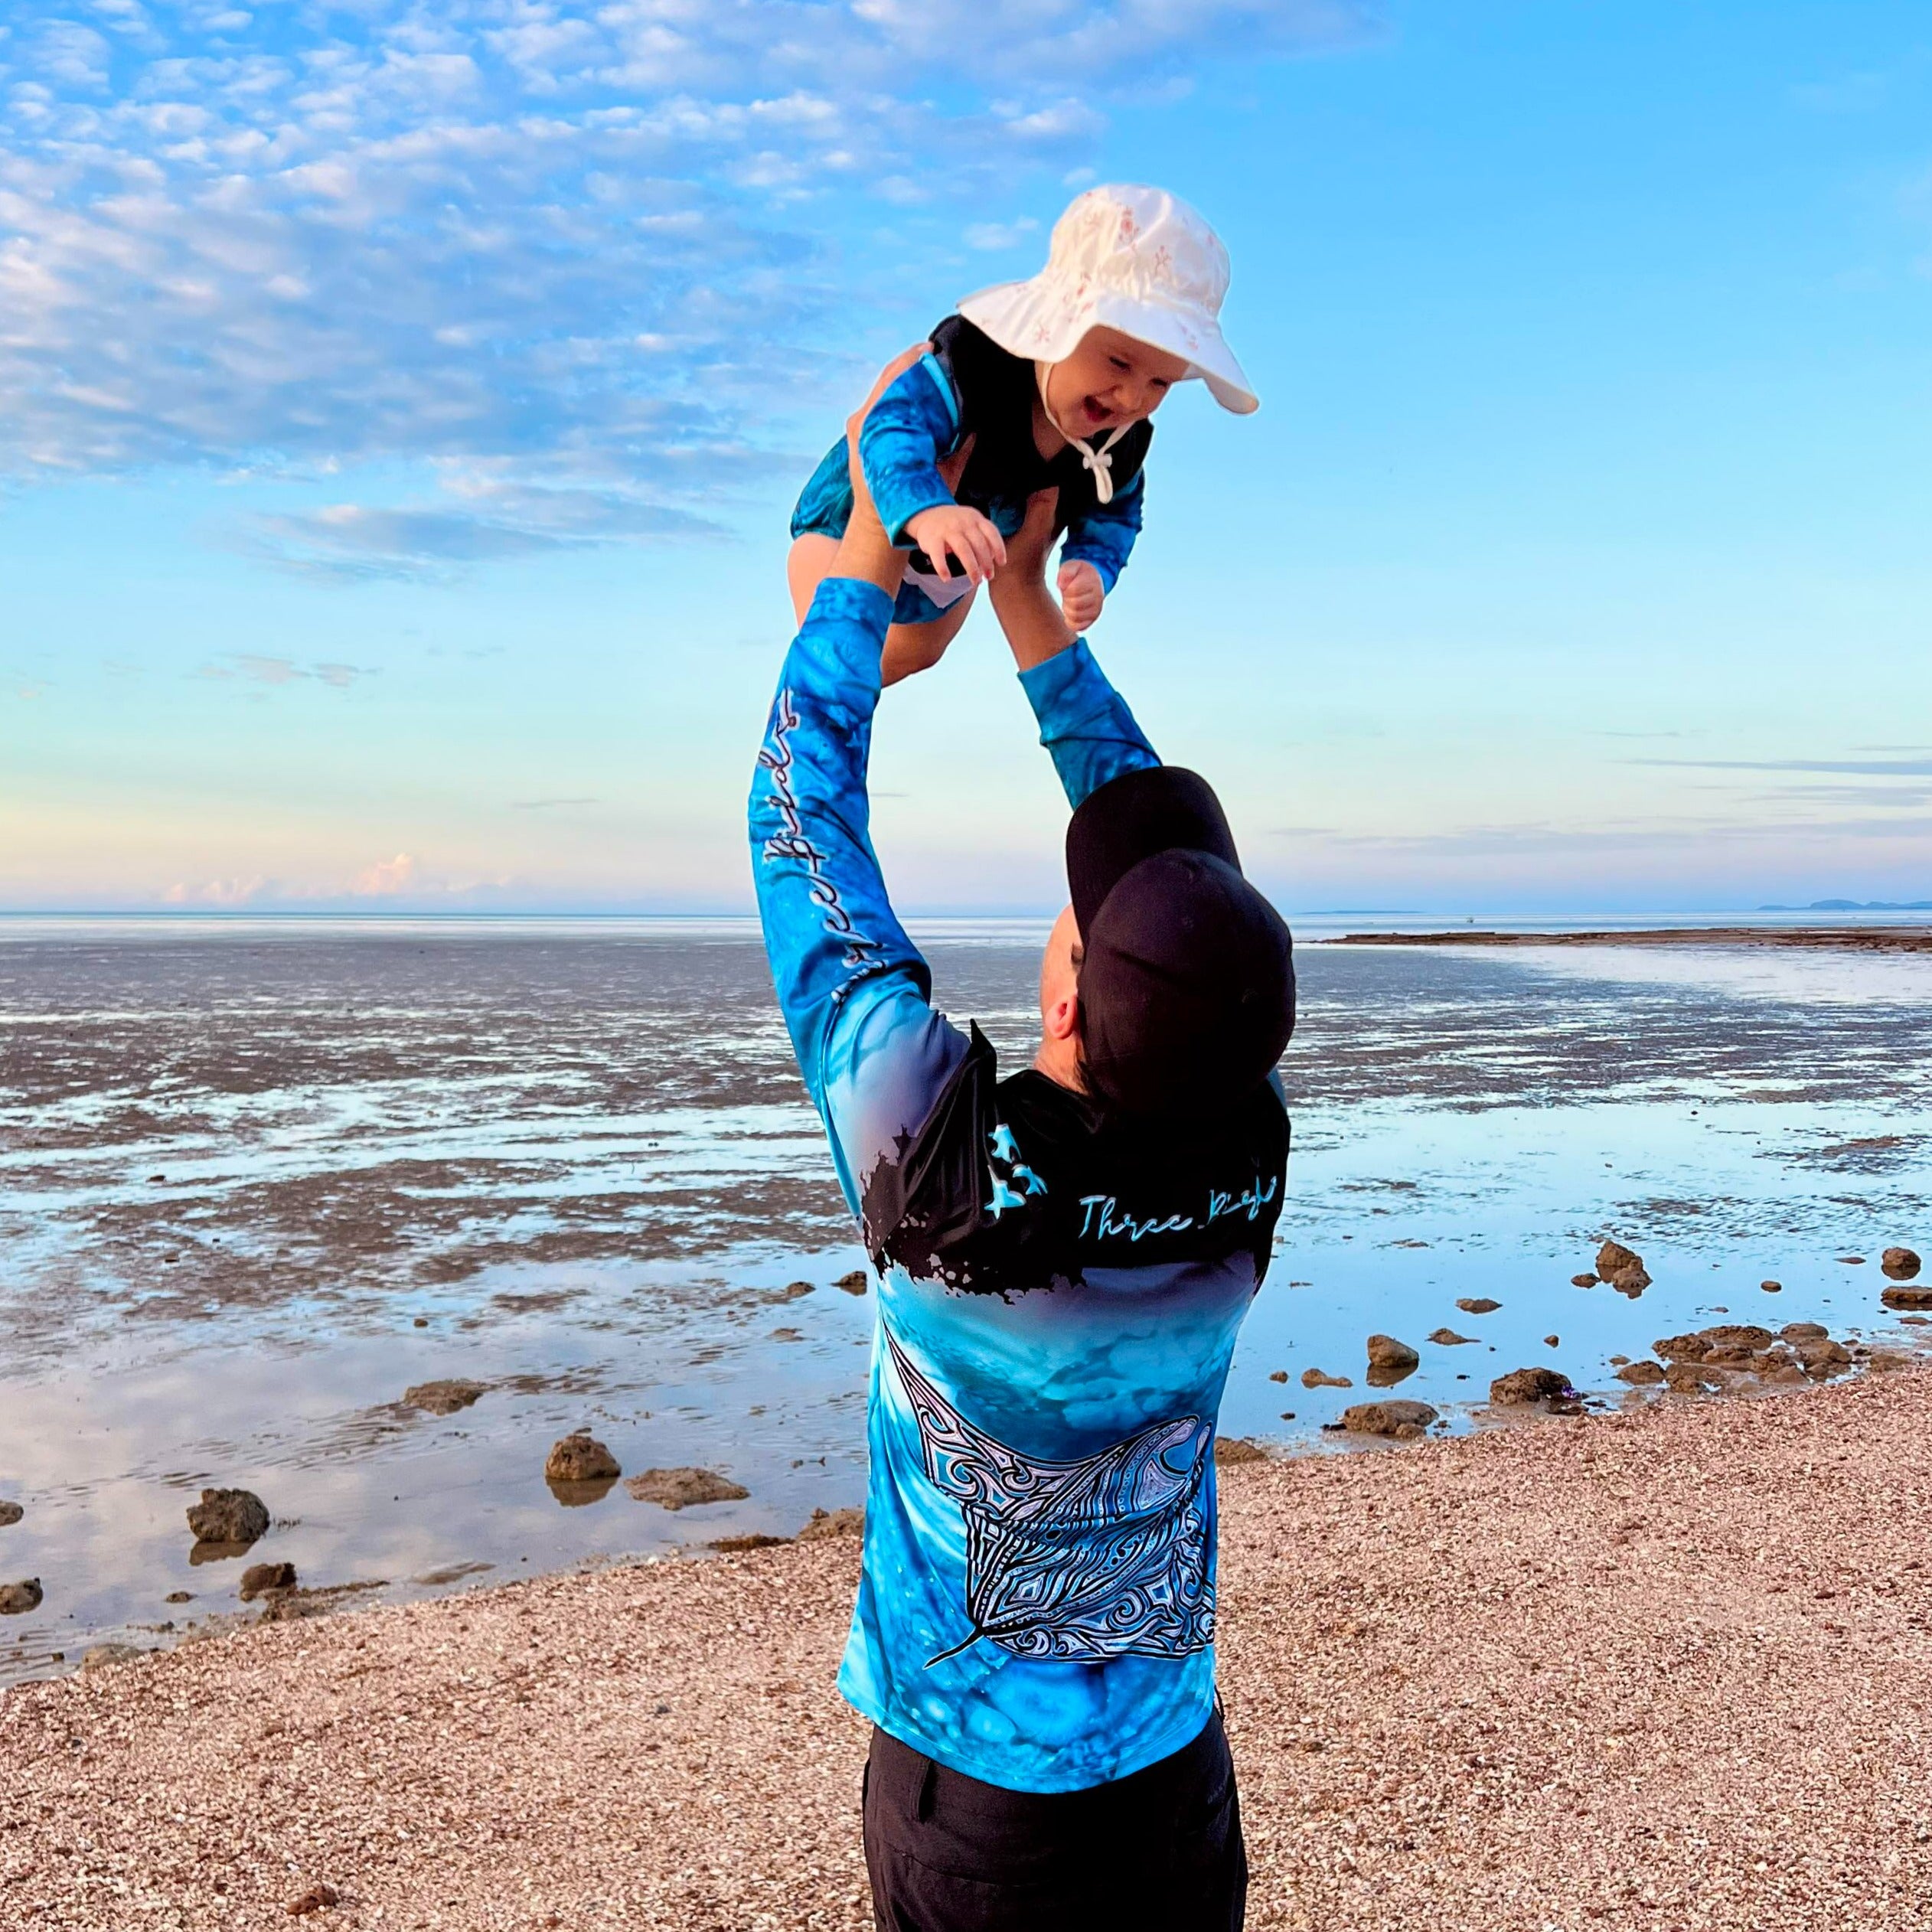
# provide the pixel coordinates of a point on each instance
(1187, 982)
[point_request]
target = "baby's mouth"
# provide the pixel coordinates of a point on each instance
(1096, 415)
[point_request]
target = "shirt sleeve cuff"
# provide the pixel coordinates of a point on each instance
(1069, 682)
(845, 629)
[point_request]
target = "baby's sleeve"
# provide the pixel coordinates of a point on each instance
(1104, 536)
(915, 421)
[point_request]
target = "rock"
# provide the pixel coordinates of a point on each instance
(1822, 1360)
(1736, 1335)
(1912, 1321)
(1479, 1305)
(1390, 1360)
(1900, 1263)
(100, 1656)
(1622, 1267)
(1521, 1385)
(1804, 1331)
(1237, 1449)
(1280, 1375)
(833, 1522)
(1405, 1421)
(856, 1282)
(1882, 1361)
(736, 1545)
(1641, 1375)
(16, 1599)
(1552, 1341)
(1851, 1260)
(229, 1516)
(1583, 1280)
(1680, 1348)
(1320, 1378)
(580, 1458)
(1689, 1378)
(179, 1596)
(792, 1290)
(1772, 1287)
(317, 1898)
(259, 1578)
(296, 1606)
(442, 1398)
(1447, 1338)
(421, 1321)
(683, 1489)
(1913, 1298)
(10, 1514)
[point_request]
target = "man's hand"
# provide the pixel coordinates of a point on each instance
(1025, 607)
(1080, 594)
(950, 528)
(863, 552)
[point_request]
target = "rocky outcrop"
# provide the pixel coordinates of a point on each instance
(236, 1517)
(259, 1578)
(1916, 1299)
(16, 1599)
(1479, 1304)
(826, 1524)
(684, 1489)
(443, 1398)
(580, 1458)
(1229, 1449)
(1901, 1263)
(1389, 1361)
(1622, 1267)
(1641, 1375)
(1405, 1421)
(1523, 1385)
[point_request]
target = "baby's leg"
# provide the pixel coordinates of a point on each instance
(911, 648)
(807, 566)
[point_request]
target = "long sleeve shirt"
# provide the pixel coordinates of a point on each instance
(1059, 1294)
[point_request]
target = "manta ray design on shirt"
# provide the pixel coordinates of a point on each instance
(1075, 1561)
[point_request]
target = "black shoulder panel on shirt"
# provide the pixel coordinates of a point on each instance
(1014, 1183)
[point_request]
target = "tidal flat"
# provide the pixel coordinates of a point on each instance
(259, 1180)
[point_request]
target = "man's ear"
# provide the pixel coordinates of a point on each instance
(1062, 1020)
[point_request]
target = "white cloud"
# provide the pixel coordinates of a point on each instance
(577, 252)
(386, 878)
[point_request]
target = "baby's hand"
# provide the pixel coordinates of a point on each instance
(1081, 595)
(974, 540)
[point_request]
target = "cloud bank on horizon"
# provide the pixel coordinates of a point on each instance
(571, 257)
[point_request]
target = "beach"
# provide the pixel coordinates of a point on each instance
(1666, 1668)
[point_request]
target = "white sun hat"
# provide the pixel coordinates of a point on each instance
(1138, 259)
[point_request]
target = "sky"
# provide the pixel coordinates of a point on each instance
(401, 406)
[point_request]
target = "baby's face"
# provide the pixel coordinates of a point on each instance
(1109, 381)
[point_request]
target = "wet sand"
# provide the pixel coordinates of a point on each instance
(1667, 1669)
(1870, 938)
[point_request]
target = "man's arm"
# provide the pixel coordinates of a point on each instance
(853, 988)
(1083, 722)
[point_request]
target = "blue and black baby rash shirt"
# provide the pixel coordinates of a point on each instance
(1059, 1290)
(967, 385)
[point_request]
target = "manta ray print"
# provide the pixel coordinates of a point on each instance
(1078, 1561)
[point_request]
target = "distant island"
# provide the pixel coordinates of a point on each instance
(1855, 905)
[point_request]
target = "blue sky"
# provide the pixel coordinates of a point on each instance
(400, 405)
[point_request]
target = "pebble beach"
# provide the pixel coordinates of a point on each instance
(1667, 1668)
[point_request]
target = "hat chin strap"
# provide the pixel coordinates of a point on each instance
(1098, 461)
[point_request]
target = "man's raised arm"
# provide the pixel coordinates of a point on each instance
(1083, 722)
(852, 987)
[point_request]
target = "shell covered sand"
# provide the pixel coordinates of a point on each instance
(1667, 1669)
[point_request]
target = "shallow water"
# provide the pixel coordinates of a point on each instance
(238, 1164)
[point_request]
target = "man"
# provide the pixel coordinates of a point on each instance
(1064, 1259)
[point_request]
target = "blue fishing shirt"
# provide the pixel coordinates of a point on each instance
(1059, 1293)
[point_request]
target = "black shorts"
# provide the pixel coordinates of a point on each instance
(1158, 1849)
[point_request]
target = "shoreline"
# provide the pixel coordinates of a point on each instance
(1639, 1669)
(1848, 939)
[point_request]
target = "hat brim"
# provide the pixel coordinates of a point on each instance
(1044, 322)
(1154, 809)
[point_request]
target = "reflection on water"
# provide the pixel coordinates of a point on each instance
(256, 1182)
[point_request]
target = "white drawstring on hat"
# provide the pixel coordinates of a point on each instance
(1098, 461)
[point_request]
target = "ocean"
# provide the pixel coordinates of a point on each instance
(258, 1177)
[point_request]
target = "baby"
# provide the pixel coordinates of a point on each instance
(1035, 385)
